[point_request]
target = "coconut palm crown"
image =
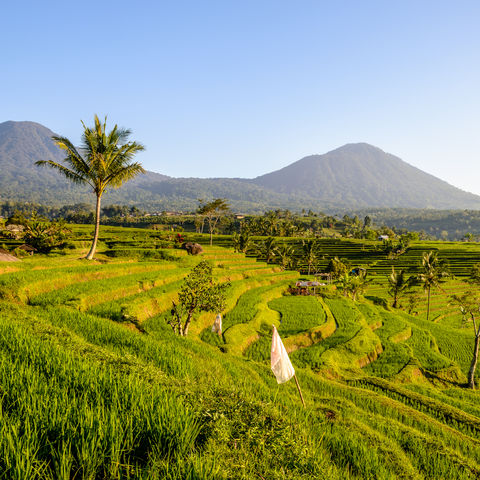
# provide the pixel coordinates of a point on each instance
(104, 159)
(433, 272)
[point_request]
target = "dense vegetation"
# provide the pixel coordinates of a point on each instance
(369, 224)
(95, 384)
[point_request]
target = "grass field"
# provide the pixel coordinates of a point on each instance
(94, 384)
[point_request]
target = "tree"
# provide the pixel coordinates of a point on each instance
(309, 252)
(470, 307)
(267, 249)
(353, 284)
(412, 302)
(103, 160)
(433, 273)
(475, 274)
(336, 268)
(287, 256)
(242, 241)
(398, 284)
(213, 211)
(199, 293)
(44, 236)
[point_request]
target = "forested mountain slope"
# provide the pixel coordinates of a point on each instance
(355, 175)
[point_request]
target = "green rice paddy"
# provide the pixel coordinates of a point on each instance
(94, 384)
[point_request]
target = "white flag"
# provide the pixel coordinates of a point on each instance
(217, 325)
(281, 365)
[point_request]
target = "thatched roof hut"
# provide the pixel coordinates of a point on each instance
(27, 248)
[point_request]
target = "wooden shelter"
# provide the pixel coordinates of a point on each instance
(325, 276)
(27, 248)
(305, 287)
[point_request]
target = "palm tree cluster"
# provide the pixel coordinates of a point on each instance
(353, 285)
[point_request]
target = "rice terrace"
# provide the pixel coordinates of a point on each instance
(240, 240)
(95, 384)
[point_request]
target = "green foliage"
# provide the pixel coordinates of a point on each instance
(267, 249)
(241, 241)
(310, 253)
(199, 293)
(353, 285)
(432, 273)
(45, 236)
(399, 285)
(89, 397)
(336, 268)
(286, 254)
(213, 211)
(475, 273)
(65, 413)
(104, 160)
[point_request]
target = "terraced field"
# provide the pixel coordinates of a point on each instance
(94, 384)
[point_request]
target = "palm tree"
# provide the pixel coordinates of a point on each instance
(287, 254)
(469, 306)
(267, 249)
(399, 284)
(353, 284)
(433, 272)
(103, 160)
(309, 252)
(242, 241)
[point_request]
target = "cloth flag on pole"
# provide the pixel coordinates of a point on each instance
(217, 325)
(281, 365)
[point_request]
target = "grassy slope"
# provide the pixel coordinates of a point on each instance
(83, 396)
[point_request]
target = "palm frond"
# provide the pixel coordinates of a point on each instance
(70, 174)
(74, 159)
(120, 176)
(103, 158)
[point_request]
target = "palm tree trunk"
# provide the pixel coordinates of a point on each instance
(428, 303)
(473, 366)
(91, 253)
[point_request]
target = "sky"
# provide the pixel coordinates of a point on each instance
(241, 88)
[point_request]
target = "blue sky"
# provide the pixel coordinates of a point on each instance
(241, 88)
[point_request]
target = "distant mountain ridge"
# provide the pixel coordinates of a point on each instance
(353, 176)
(361, 174)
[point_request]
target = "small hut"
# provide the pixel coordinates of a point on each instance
(27, 248)
(305, 287)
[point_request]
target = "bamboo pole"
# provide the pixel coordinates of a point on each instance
(299, 391)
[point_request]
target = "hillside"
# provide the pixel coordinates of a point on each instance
(358, 175)
(22, 143)
(95, 384)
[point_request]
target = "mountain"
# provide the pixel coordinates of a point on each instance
(363, 175)
(352, 176)
(21, 145)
